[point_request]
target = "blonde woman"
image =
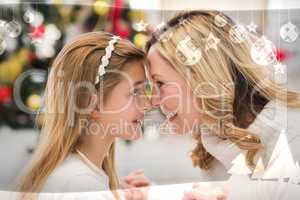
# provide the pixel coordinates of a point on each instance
(94, 94)
(206, 82)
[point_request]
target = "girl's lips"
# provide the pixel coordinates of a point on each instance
(137, 122)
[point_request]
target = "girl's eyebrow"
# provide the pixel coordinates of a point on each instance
(137, 83)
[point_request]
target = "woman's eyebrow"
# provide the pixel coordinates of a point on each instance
(156, 76)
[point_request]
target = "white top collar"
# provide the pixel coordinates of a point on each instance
(90, 164)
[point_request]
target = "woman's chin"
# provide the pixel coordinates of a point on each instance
(176, 126)
(172, 128)
(181, 128)
(182, 132)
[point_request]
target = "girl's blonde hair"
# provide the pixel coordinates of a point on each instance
(229, 69)
(76, 63)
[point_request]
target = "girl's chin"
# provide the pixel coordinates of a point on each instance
(132, 136)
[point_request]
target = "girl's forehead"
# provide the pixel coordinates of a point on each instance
(134, 73)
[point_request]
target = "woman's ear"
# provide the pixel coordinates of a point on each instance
(95, 113)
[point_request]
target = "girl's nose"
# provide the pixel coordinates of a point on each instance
(155, 98)
(147, 105)
(146, 101)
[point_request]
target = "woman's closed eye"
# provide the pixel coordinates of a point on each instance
(159, 84)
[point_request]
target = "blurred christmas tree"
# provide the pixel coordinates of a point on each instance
(32, 34)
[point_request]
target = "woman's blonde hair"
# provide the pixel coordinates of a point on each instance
(241, 84)
(76, 63)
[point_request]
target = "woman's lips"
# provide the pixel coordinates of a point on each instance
(171, 116)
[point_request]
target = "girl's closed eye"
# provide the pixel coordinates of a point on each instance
(136, 92)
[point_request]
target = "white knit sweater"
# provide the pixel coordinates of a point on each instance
(278, 127)
(73, 175)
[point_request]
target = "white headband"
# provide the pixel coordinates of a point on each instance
(105, 59)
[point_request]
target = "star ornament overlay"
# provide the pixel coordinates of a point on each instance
(212, 42)
(252, 27)
(140, 26)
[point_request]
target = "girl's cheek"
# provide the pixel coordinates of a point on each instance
(131, 109)
(125, 103)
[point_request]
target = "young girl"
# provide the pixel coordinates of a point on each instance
(94, 94)
(208, 82)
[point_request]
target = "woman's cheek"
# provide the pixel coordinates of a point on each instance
(177, 100)
(170, 99)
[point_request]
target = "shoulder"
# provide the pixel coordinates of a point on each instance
(72, 164)
(274, 119)
(275, 115)
(278, 127)
(84, 182)
(74, 176)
